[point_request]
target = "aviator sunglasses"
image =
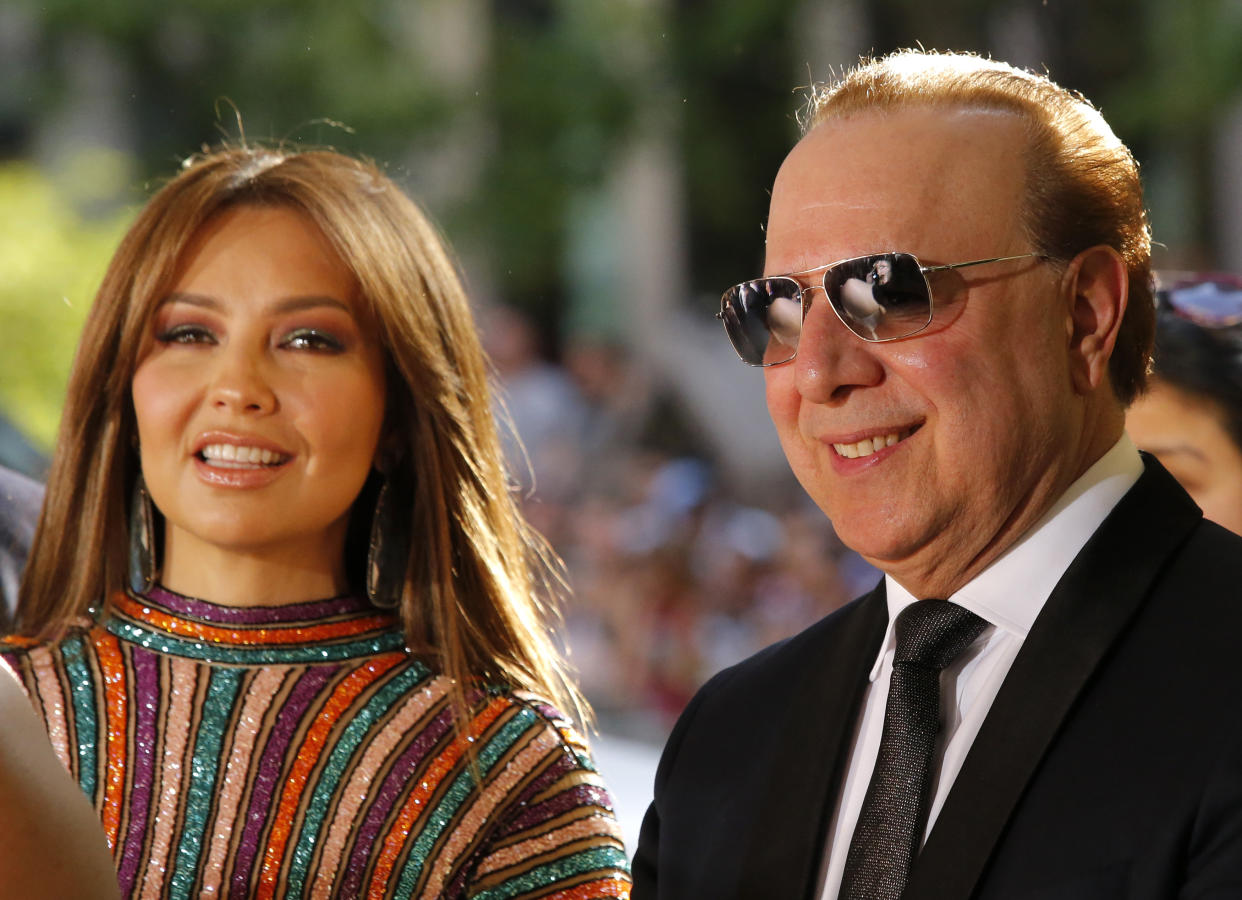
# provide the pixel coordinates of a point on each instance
(880, 297)
(1209, 299)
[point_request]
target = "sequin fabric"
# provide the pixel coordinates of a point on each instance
(301, 751)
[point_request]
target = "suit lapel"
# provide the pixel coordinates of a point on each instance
(803, 773)
(1086, 612)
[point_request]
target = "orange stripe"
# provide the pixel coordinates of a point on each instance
(307, 757)
(290, 634)
(108, 650)
(605, 887)
(416, 803)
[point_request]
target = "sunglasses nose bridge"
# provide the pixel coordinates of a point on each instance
(828, 318)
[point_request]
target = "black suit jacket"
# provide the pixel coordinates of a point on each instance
(1110, 763)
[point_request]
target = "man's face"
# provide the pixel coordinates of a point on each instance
(930, 454)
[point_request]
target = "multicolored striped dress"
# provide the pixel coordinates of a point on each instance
(302, 751)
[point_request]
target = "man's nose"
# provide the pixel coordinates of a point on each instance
(832, 361)
(241, 383)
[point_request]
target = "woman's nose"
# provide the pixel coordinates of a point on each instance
(240, 384)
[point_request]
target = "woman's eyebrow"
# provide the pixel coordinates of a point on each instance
(283, 305)
(203, 300)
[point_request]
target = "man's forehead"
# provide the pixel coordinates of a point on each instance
(860, 182)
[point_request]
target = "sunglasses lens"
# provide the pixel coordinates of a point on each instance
(880, 297)
(763, 319)
(1210, 303)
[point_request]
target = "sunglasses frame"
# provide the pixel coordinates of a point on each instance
(804, 304)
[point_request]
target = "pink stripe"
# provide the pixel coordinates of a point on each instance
(342, 827)
(497, 790)
(176, 736)
(258, 701)
(590, 826)
(52, 698)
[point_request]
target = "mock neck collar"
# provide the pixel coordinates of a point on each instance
(329, 630)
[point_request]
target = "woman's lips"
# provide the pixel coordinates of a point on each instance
(239, 461)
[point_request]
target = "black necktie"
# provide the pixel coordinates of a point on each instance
(930, 635)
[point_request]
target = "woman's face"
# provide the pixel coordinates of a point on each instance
(259, 397)
(1186, 434)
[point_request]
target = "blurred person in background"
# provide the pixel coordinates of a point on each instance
(20, 499)
(1191, 416)
(282, 618)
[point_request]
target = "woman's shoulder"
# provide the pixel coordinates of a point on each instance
(544, 714)
(553, 818)
(18, 650)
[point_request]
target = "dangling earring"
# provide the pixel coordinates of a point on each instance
(388, 550)
(143, 566)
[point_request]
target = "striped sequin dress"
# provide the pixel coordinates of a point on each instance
(301, 751)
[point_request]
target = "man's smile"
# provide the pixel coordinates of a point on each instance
(868, 446)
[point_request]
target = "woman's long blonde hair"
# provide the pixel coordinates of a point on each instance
(481, 586)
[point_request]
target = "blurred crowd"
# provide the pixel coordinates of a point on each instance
(673, 574)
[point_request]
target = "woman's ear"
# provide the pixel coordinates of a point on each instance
(1097, 285)
(388, 451)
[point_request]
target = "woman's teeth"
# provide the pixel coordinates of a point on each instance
(231, 456)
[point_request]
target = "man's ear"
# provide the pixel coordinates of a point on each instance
(1097, 286)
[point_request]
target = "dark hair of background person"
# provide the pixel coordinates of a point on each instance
(1203, 362)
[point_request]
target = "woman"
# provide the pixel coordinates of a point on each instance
(1191, 417)
(317, 661)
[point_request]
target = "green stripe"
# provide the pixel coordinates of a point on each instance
(439, 818)
(222, 692)
(85, 714)
(351, 737)
(603, 860)
(297, 654)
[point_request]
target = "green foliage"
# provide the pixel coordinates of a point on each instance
(52, 258)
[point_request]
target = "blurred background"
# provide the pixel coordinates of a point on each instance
(602, 170)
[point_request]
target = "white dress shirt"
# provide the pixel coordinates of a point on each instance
(1008, 594)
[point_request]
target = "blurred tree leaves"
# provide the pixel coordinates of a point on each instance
(504, 126)
(53, 259)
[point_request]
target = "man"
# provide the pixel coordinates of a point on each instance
(1066, 725)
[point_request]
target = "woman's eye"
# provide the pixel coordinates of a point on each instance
(186, 334)
(312, 339)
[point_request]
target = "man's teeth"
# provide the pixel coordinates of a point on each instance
(867, 446)
(234, 457)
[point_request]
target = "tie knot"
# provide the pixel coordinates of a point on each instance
(933, 632)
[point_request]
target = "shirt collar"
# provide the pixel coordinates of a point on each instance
(1040, 557)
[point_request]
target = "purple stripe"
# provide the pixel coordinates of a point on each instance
(560, 767)
(394, 785)
(577, 796)
(556, 770)
(550, 712)
(144, 700)
(267, 778)
(256, 615)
